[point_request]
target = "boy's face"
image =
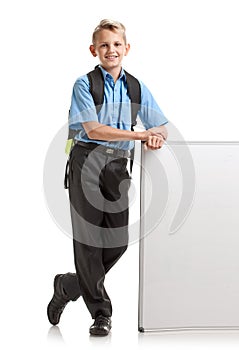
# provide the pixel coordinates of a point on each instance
(110, 48)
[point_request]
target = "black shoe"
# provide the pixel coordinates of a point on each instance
(101, 326)
(58, 301)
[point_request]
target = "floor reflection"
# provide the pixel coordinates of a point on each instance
(189, 337)
(98, 340)
(54, 334)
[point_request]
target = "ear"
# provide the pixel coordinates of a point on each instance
(92, 50)
(127, 48)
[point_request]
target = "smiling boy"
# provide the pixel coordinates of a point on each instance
(98, 168)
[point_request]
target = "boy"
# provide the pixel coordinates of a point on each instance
(98, 165)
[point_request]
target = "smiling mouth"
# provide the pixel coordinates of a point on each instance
(111, 57)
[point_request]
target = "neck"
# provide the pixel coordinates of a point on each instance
(115, 72)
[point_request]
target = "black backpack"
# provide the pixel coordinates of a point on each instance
(96, 81)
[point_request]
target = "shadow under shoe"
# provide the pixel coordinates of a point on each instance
(58, 301)
(101, 326)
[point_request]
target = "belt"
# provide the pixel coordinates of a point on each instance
(114, 152)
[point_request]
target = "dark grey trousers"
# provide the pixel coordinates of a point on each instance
(98, 192)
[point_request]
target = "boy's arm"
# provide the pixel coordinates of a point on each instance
(98, 131)
(150, 114)
(162, 134)
(160, 130)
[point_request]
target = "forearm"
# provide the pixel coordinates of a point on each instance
(97, 131)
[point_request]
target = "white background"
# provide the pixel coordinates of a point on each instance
(187, 54)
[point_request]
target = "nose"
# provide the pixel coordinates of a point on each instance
(111, 48)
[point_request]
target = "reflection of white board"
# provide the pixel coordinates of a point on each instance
(189, 279)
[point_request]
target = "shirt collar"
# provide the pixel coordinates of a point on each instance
(106, 74)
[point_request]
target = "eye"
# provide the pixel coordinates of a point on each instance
(103, 45)
(118, 44)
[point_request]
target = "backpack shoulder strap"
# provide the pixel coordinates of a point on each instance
(134, 91)
(96, 81)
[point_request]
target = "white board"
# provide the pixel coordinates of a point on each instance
(189, 256)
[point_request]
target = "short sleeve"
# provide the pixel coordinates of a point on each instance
(82, 105)
(150, 113)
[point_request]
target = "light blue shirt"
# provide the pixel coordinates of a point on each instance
(115, 111)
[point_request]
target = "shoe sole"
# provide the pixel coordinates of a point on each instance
(99, 334)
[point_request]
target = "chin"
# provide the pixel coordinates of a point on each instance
(113, 64)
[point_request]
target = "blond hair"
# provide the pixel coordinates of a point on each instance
(111, 25)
